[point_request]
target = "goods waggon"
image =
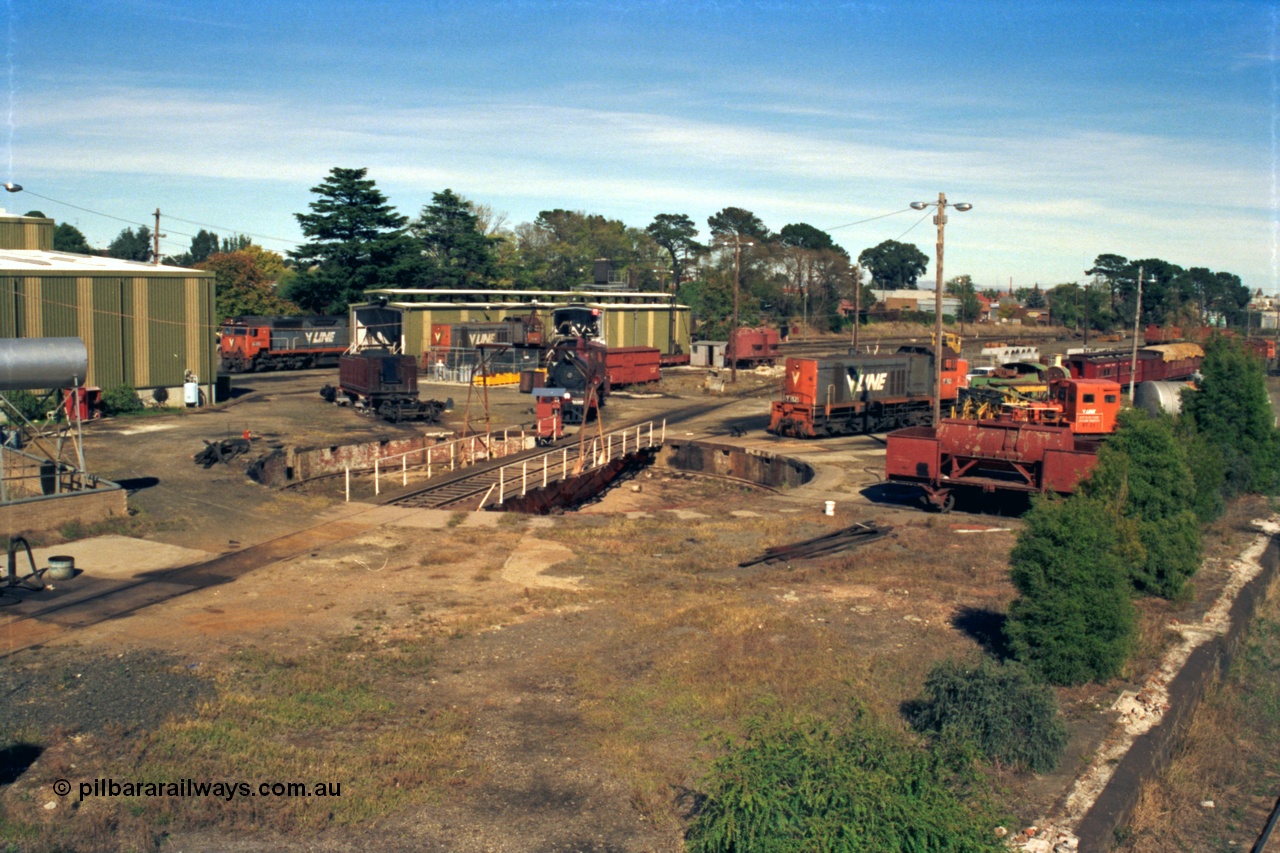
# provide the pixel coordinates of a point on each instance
(1160, 363)
(282, 343)
(633, 365)
(853, 394)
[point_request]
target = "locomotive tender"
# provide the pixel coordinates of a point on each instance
(854, 394)
(282, 343)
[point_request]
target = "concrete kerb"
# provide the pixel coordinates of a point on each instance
(1153, 751)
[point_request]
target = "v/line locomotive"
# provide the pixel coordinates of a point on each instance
(854, 394)
(251, 344)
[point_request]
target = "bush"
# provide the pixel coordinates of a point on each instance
(804, 785)
(1232, 413)
(30, 406)
(999, 707)
(1074, 621)
(1143, 474)
(121, 400)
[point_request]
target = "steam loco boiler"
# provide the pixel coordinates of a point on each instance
(579, 367)
(853, 394)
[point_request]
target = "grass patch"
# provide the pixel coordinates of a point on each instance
(349, 716)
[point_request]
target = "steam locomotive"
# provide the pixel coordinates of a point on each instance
(854, 394)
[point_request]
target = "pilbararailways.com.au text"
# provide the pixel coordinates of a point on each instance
(227, 790)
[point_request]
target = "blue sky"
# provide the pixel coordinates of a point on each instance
(1145, 129)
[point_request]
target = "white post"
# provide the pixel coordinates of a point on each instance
(638, 437)
(524, 478)
(664, 431)
(377, 489)
(651, 433)
(544, 471)
(564, 463)
(624, 443)
(348, 484)
(453, 452)
(502, 484)
(608, 448)
(404, 470)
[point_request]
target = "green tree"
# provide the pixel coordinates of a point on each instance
(458, 252)
(999, 707)
(357, 241)
(67, 238)
(894, 265)
(1113, 269)
(1034, 298)
(1074, 621)
(1231, 413)
(1142, 473)
(676, 233)
(803, 784)
(243, 287)
(735, 221)
(818, 274)
(558, 250)
(961, 287)
(130, 245)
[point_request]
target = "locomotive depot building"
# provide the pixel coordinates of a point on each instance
(144, 325)
(403, 319)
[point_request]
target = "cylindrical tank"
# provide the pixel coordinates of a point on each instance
(1159, 397)
(29, 363)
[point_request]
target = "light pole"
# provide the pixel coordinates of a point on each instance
(940, 219)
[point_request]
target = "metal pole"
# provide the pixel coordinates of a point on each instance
(404, 470)
(544, 471)
(733, 333)
(524, 478)
(502, 484)
(376, 488)
(564, 463)
(1137, 312)
(941, 221)
(348, 483)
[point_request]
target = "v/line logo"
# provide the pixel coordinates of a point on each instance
(859, 382)
(321, 337)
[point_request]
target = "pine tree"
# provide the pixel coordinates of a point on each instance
(357, 241)
(458, 253)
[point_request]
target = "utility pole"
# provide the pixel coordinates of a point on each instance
(738, 243)
(1137, 312)
(857, 304)
(155, 255)
(941, 221)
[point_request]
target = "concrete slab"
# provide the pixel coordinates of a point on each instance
(121, 557)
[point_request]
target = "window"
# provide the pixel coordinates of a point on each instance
(1088, 398)
(1110, 398)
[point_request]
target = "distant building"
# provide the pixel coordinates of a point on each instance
(923, 301)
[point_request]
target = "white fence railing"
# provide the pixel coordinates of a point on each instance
(600, 451)
(446, 456)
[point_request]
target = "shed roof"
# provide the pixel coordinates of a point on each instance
(30, 260)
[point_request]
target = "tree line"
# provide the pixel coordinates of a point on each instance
(355, 240)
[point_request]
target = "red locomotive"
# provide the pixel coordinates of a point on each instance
(1047, 446)
(863, 393)
(282, 343)
(1160, 363)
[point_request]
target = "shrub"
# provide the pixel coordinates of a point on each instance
(999, 707)
(30, 406)
(1142, 473)
(121, 400)
(804, 785)
(1074, 621)
(1231, 412)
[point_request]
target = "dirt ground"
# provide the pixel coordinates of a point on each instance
(566, 675)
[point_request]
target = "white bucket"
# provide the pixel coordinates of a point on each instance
(829, 508)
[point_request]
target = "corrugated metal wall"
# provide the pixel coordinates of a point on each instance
(146, 331)
(20, 232)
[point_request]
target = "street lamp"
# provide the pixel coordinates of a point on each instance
(940, 219)
(13, 188)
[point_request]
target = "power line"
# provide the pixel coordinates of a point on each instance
(913, 227)
(166, 216)
(872, 219)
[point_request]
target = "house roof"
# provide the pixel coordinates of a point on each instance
(36, 261)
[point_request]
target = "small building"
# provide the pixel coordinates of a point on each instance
(144, 325)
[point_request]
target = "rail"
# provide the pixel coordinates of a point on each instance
(598, 453)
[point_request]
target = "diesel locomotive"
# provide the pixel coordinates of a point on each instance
(282, 343)
(854, 394)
